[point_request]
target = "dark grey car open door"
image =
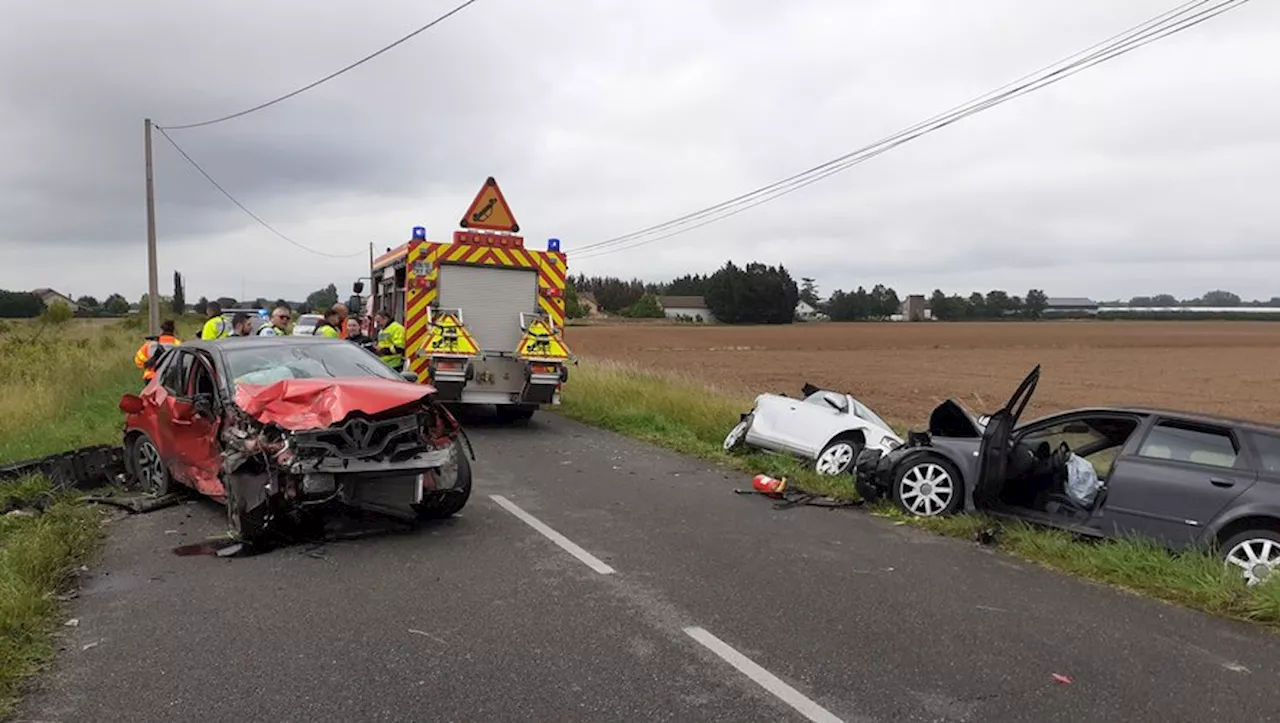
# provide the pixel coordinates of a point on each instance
(993, 454)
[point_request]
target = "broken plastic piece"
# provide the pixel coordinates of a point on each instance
(1062, 678)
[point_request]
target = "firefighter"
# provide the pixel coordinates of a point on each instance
(151, 346)
(241, 324)
(279, 324)
(329, 325)
(216, 327)
(390, 344)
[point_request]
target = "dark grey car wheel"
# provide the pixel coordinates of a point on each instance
(148, 468)
(928, 486)
(1256, 553)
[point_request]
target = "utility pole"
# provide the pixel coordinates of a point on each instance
(153, 275)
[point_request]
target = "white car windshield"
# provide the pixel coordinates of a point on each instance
(269, 363)
(865, 412)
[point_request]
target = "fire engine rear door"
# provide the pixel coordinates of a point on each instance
(492, 299)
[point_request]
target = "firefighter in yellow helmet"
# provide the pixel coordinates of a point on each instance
(147, 352)
(390, 343)
(216, 327)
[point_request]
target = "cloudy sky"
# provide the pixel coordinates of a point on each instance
(1155, 172)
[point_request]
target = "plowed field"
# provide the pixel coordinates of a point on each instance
(902, 370)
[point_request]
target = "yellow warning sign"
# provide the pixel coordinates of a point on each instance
(450, 337)
(540, 342)
(490, 210)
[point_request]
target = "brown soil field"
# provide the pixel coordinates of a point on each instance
(902, 370)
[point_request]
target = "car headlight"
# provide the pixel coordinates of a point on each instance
(892, 444)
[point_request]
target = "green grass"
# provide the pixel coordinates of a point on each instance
(37, 557)
(692, 417)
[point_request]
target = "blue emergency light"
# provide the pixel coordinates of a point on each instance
(420, 232)
(553, 244)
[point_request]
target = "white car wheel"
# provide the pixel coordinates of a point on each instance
(927, 488)
(737, 435)
(836, 458)
(1257, 554)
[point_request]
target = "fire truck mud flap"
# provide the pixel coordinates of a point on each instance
(450, 377)
(541, 382)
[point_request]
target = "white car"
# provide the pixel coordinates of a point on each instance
(306, 324)
(830, 428)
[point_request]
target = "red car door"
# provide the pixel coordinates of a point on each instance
(189, 430)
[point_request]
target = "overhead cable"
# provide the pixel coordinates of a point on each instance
(242, 207)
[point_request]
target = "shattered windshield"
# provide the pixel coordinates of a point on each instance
(270, 363)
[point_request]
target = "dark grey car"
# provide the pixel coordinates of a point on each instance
(1179, 478)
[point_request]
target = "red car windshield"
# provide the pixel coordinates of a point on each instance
(269, 363)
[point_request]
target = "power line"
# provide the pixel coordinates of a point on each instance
(242, 207)
(330, 76)
(1168, 23)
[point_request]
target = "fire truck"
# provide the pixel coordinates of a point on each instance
(483, 315)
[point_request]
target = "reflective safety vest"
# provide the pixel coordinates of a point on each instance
(148, 351)
(390, 345)
(215, 328)
(324, 328)
(270, 330)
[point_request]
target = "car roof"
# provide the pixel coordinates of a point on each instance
(1179, 414)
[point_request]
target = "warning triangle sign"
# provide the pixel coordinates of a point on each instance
(490, 210)
(540, 342)
(450, 337)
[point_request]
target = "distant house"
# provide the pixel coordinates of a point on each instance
(1070, 306)
(49, 296)
(914, 308)
(587, 302)
(806, 312)
(692, 307)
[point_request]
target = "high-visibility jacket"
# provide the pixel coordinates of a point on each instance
(390, 345)
(148, 350)
(270, 330)
(215, 328)
(324, 328)
(342, 328)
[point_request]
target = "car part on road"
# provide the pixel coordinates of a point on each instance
(138, 504)
(85, 468)
(789, 495)
(828, 428)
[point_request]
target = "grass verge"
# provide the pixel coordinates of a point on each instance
(692, 417)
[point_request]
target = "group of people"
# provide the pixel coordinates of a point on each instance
(337, 323)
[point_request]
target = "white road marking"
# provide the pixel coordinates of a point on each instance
(565, 543)
(763, 678)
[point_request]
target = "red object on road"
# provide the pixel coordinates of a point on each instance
(1062, 678)
(772, 486)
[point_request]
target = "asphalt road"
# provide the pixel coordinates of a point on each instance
(663, 596)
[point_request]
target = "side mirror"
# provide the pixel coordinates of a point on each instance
(409, 376)
(131, 404)
(837, 402)
(357, 287)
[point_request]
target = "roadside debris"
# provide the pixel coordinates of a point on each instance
(1062, 678)
(72, 623)
(85, 468)
(88, 646)
(789, 495)
(138, 504)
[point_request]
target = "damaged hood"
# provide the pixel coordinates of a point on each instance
(303, 404)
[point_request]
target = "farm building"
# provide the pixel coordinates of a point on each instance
(49, 296)
(692, 307)
(806, 312)
(1066, 306)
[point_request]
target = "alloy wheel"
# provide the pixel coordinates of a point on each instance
(150, 468)
(1258, 558)
(735, 435)
(835, 459)
(927, 489)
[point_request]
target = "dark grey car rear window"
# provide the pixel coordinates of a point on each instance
(1268, 447)
(1169, 440)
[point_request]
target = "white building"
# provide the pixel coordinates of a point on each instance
(692, 307)
(806, 312)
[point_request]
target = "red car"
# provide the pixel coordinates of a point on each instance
(272, 426)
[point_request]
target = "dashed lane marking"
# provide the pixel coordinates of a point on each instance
(565, 543)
